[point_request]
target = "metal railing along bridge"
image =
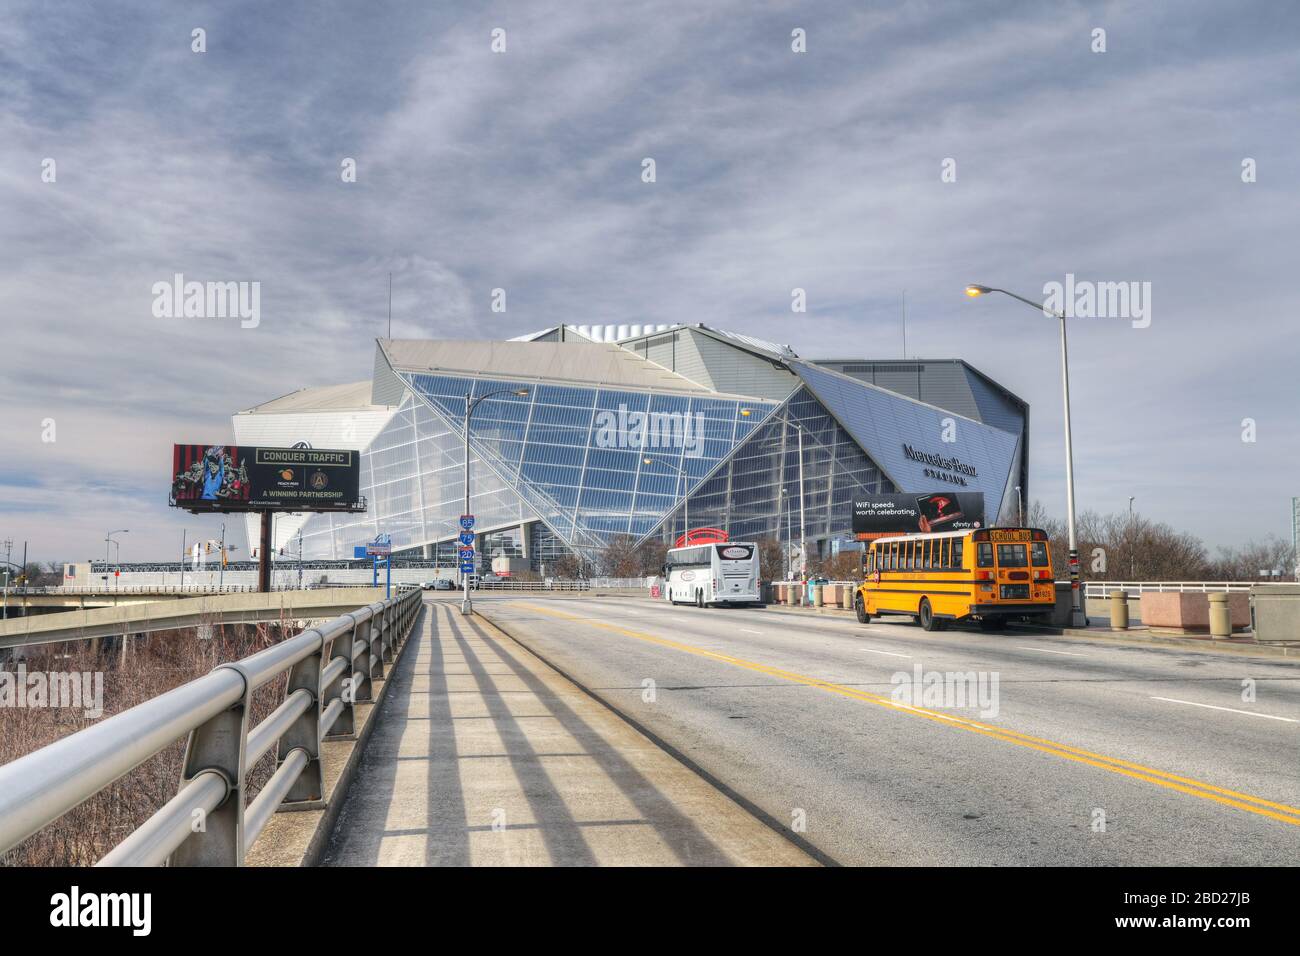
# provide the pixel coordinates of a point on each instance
(331, 668)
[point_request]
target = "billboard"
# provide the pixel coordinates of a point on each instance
(237, 478)
(878, 515)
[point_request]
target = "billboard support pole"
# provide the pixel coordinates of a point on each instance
(264, 557)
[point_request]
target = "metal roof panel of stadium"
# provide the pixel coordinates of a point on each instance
(569, 362)
(318, 398)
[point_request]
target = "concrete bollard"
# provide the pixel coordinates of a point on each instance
(846, 597)
(1220, 615)
(817, 594)
(1119, 610)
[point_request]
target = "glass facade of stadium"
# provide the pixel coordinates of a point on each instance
(569, 466)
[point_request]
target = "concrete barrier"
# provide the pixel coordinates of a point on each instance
(1275, 613)
(1189, 611)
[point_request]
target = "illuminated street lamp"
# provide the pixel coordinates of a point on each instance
(1077, 617)
(466, 605)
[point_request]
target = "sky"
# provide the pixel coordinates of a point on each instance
(910, 149)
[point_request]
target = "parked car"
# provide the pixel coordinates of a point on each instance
(437, 584)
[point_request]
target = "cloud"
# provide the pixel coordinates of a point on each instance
(522, 171)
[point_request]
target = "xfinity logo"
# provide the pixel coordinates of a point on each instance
(103, 909)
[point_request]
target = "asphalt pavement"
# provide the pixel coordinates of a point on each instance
(855, 740)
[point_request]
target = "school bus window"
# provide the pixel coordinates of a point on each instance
(911, 555)
(1012, 556)
(1038, 551)
(943, 553)
(984, 555)
(957, 546)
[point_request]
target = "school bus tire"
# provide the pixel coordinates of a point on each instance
(860, 609)
(925, 615)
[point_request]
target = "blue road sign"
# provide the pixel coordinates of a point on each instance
(467, 522)
(467, 539)
(359, 551)
(467, 554)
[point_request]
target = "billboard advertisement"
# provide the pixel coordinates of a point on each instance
(878, 515)
(240, 478)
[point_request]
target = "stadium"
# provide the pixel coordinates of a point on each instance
(597, 433)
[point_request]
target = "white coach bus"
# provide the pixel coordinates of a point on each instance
(717, 573)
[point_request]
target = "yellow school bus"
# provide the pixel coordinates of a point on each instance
(992, 575)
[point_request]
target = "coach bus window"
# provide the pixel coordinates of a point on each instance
(1038, 551)
(1012, 556)
(984, 555)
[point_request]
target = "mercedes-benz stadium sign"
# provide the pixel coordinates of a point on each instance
(237, 478)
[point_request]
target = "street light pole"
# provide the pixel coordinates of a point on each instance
(1132, 550)
(107, 540)
(686, 501)
(1020, 508)
(1077, 617)
(803, 540)
(466, 605)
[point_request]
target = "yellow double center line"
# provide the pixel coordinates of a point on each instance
(1188, 785)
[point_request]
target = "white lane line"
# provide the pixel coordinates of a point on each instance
(872, 650)
(1231, 710)
(749, 630)
(1044, 650)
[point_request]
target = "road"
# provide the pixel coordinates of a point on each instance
(1086, 753)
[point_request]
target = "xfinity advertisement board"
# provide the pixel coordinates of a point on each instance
(879, 515)
(237, 478)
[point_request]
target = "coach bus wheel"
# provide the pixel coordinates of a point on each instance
(926, 616)
(860, 608)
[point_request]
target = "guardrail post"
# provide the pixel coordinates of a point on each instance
(388, 644)
(304, 733)
(362, 632)
(341, 687)
(218, 838)
(378, 637)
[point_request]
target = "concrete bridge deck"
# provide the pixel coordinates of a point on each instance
(166, 614)
(485, 755)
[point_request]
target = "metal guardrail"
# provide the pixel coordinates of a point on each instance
(1102, 589)
(331, 668)
(508, 585)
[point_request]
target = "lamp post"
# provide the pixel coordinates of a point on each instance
(108, 539)
(1020, 508)
(466, 605)
(1132, 550)
(686, 502)
(803, 539)
(1077, 617)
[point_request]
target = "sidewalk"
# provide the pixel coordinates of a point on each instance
(1100, 629)
(485, 756)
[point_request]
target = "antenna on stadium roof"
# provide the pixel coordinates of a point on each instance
(390, 305)
(904, 323)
